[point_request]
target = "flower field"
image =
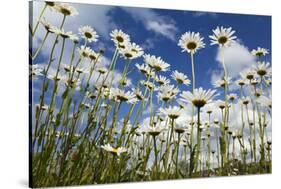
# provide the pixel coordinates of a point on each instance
(92, 124)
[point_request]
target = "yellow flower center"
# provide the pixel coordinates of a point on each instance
(128, 55)
(199, 103)
(261, 72)
(65, 11)
(119, 39)
(191, 45)
(88, 35)
(222, 40)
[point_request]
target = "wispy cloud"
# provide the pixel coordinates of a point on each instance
(154, 22)
(199, 14)
(148, 44)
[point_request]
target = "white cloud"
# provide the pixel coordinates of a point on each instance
(154, 22)
(199, 14)
(216, 75)
(235, 123)
(148, 44)
(237, 57)
(166, 29)
(95, 16)
(100, 21)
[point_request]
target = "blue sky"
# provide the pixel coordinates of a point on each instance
(158, 32)
(251, 30)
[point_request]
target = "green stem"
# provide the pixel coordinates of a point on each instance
(41, 45)
(226, 103)
(39, 18)
(193, 72)
(155, 156)
(198, 138)
(177, 158)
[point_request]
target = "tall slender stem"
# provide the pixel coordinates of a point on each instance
(41, 45)
(177, 158)
(192, 111)
(38, 21)
(155, 156)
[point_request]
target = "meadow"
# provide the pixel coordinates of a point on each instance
(90, 128)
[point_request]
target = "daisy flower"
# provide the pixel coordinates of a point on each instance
(91, 95)
(209, 108)
(44, 107)
(156, 63)
(102, 70)
(88, 33)
(142, 174)
(166, 95)
(61, 32)
(65, 9)
(248, 74)
(180, 128)
(263, 69)
(167, 92)
(93, 55)
(84, 51)
(171, 112)
(221, 104)
(259, 52)
(216, 121)
(81, 70)
(55, 78)
(143, 68)
(105, 91)
(138, 94)
(117, 151)
(162, 80)
(119, 38)
(199, 98)
(180, 78)
(191, 42)
(155, 130)
(258, 93)
(183, 143)
(126, 82)
(131, 51)
(122, 96)
(35, 71)
(50, 3)
(245, 100)
(73, 83)
(222, 82)
(47, 25)
(232, 96)
(74, 38)
(255, 81)
(68, 68)
(222, 36)
(163, 137)
(148, 84)
(241, 82)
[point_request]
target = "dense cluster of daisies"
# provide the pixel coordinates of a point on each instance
(80, 136)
